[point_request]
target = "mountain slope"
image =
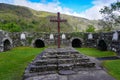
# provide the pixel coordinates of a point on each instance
(17, 18)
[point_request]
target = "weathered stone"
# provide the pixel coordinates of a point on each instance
(6, 42)
(81, 70)
(64, 61)
(111, 40)
(115, 36)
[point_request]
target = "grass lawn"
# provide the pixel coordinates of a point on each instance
(113, 68)
(13, 63)
(95, 52)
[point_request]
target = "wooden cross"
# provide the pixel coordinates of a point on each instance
(58, 21)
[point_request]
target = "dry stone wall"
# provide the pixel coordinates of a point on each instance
(110, 40)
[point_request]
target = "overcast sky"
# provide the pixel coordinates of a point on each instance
(82, 8)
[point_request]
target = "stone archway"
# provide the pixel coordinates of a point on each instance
(39, 43)
(102, 45)
(6, 45)
(76, 42)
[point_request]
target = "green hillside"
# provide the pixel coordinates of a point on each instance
(17, 18)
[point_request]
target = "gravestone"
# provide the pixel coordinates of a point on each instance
(63, 39)
(23, 38)
(115, 36)
(51, 36)
(115, 43)
(90, 36)
(63, 36)
(90, 41)
(52, 40)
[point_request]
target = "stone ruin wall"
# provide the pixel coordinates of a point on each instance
(14, 40)
(45, 37)
(32, 37)
(107, 38)
(4, 40)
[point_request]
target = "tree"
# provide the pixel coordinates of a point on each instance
(90, 28)
(111, 16)
(105, 25)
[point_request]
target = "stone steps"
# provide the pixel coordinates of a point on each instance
(43, 68)
(58, 61)
(65, 66)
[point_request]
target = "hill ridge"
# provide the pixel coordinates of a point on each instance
(25, 19)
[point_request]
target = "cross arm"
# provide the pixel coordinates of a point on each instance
(53, 20)
(63, 20)
(58, 20)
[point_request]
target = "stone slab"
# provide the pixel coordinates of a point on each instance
(81, 75)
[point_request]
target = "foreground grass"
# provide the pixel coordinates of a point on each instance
(113, 68)
(13, 63)
(95, 52)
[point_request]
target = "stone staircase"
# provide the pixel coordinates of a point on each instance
(61, 61)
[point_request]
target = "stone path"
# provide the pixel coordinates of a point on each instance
(108, 58)
(65, 64)
(81, 75)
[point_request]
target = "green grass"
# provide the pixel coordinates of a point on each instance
(113, 68)
(14, 62)
(95, 52)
